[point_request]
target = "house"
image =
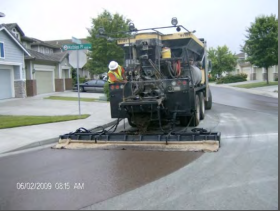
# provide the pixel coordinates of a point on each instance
(73, 55)
(253, 72)
(12, 65)
(46, 68)
(47, 73)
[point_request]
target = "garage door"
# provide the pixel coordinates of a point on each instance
(5, 84)
(259, 74)
(44, 81)
(248, 72)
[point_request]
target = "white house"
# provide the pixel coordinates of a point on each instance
(12, 65)
(254, 72)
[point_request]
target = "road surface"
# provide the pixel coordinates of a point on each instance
(243, 174)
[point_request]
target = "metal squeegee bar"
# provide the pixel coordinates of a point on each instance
(213, 136)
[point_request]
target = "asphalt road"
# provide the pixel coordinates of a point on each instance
(231, 97)
(243, 174)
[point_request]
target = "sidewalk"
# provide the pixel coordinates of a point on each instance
(37, 135)
(269, 91)
(15, 138)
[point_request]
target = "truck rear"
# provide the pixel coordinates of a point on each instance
(166, 80)
(167, 89)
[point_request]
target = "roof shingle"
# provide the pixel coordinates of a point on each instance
(55, 57)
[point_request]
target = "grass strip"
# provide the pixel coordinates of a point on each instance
(255, 85)
(8, 121)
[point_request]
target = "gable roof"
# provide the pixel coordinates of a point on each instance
(60, 43)
(10, 27)
(55, 57)
(40, 42)
(3, 28)
(34, 41)
(25, 38)
(240, 55)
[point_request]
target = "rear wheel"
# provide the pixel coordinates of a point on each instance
(82, 89)
(202, 105)
(208, 104)
(196, 117)
(194, 120)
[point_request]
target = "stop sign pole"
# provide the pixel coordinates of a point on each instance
(77, 41)
(78, 46)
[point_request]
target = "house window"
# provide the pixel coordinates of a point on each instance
(2, 52)
(47, 50)
(41, 49)
(51, 50)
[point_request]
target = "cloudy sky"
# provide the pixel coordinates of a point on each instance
(220, 22)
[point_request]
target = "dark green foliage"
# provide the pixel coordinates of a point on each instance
(261, 45)
(232, 78)
(106, 90)
(276, 79)
(212, 79)
(222, 60)
(74, 77)
(104, 51)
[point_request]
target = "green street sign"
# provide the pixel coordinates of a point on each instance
(69, 47)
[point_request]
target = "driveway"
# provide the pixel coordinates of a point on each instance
(37, 105)
(15, 138)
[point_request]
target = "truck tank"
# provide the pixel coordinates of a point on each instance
(196, 74)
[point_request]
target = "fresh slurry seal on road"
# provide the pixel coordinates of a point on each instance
(100, 175)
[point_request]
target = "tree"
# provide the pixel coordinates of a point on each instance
(261, 45)
(222, 60)
(104, 51)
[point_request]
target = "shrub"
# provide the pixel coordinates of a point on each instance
(232, 78)
(276, 79)
(211, 79)
(81, 80)
(106, 90)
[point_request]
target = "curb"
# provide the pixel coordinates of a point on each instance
(43, 143)
(257, 92)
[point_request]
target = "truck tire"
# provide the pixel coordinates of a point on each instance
(208, 104)
(202, 105)
(196, 117)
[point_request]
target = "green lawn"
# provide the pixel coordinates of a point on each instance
(7, 121)
(255, 85)
(71, 98)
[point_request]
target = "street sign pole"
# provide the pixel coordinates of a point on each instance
(78, 79)
(78, 46)
(77, 41)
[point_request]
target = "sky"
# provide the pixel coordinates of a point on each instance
(219, 22)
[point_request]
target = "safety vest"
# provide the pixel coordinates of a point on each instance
(117, 75)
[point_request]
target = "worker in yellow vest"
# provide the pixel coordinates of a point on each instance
(116, 73)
